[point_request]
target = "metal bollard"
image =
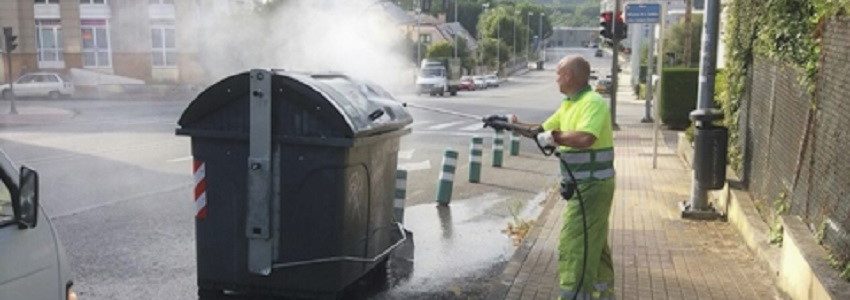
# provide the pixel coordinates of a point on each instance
(447, 177)
(400, 194)
(475, 152)
(514, 144)
(498, 148)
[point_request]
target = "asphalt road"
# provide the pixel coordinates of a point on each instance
(117, 184)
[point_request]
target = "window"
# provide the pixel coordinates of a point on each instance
(92, 1)
(48, 36)
(163, 46)
(96, 52)
(26, 79)
(6, 212)
(46, 1)
(425, 38)
(161, 2)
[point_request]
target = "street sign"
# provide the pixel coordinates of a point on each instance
(643, 13)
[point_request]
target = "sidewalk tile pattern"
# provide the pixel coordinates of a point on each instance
(657, 255)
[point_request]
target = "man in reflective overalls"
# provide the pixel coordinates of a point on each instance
(581, 129)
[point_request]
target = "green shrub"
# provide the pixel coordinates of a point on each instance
(678, 96)
(642, 74)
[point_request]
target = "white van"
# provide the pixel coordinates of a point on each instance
(32, 261)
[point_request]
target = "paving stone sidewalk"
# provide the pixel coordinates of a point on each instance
(657, 255)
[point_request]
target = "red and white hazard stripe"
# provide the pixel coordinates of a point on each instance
(200, 170)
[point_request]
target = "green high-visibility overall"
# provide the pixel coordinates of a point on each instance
(594, 171)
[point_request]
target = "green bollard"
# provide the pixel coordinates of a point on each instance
(514, 144)
(447, 177)
(400, 194)
(498, 148)
(475, 152)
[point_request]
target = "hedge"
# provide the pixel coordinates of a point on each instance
(678, 96)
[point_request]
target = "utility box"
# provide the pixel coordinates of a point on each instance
(295, 180)
(710, 149)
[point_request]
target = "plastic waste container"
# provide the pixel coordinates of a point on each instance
(710, 148)
(295, 178)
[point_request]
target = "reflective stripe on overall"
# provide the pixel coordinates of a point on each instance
(588, 165)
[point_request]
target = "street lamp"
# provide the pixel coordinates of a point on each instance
(418, 35)
(528, 42)
(485, 6)
(540, 45)
(513, 46)
(455, 34)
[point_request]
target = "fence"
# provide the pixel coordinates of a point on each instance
(795, 157)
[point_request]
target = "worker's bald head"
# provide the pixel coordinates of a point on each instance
(573, 74)
(577, 65)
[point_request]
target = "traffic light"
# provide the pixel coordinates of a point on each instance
(605, 21)
(622, 27)
(9, 39)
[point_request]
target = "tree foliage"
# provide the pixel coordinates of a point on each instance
(674, 41)
(440, 49)
(488, 52)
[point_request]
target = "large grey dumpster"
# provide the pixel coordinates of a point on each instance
(295, 176)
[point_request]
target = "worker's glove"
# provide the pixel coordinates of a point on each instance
(546, 140)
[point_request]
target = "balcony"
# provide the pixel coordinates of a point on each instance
(161, 11)
(46, 11)
(95, 11)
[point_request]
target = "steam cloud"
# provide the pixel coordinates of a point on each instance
(353, 37)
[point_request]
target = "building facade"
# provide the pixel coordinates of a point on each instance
(138, 39)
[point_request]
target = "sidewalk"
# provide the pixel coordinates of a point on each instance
(657, 255)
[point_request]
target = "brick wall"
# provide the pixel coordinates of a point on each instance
(789, 154)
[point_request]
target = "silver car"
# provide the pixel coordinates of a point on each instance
(41, 84)
(492, 80)
(32, 261)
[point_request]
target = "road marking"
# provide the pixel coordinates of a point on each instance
(473, 127)
(422, 165)
(421, 123)
(406, 154)
(444, 125)
(179, 159)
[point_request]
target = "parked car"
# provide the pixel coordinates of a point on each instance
(492, 80)
(599, 53)
(32, 260)
(41, 84)
(603, 86)
(480, 82)
(467, 84)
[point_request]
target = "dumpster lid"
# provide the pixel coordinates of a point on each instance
(366, 108)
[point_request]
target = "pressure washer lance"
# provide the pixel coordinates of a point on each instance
(444, 111)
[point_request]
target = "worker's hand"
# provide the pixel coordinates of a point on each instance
(546, 140)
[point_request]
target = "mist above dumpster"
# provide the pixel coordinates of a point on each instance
(295, 178)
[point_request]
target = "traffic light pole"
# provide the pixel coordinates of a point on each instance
(614, 64)
(8, 41)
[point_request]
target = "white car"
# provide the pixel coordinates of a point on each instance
(480, 82)
(41, 84)
(492, 80)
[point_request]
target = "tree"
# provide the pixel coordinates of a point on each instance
(674, 41)
(499, 23)
(488, 52)
(440, 49)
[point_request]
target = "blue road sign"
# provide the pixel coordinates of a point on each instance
(643, 13)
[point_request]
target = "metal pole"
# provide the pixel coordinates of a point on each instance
(698, 206)
(455, 37)
(540, 34)
(514, 44)
(659, 61)
(498, 45)
(614, 64)
(13, 110)
(528, 39)
(647, 118)
(418, 33)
